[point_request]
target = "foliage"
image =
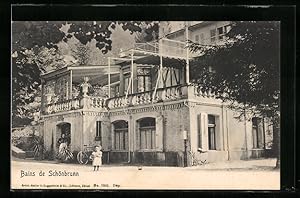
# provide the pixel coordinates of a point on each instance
(34, 50)
(29, 34)
(27, 67)
(148, 33)
(38, 147)
(82, 53)
(244, 70)
(196, 161)
(20, 137)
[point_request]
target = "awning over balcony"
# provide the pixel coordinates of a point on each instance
(155, 60)
(97, 74)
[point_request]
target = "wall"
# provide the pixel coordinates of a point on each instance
(206, 31)
(198, 119)
(171, 119)
(50, 129)
(234, 138)
(167, 127)
(89, 129)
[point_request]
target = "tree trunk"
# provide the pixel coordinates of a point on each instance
(276, 140)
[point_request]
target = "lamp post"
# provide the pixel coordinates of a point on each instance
(184, 134)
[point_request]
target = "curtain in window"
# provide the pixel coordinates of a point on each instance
(121, 139)
(212, 138)
(147, 138)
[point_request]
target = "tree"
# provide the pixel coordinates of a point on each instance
(27, 67)
(29, 36)
(244, 70)
(82, 53)
(148, 33)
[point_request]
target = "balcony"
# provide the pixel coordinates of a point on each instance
(162, 95)
(96, 103)
(89, 102)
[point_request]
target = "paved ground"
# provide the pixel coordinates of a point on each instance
(252, 174)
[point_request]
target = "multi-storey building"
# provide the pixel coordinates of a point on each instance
(142, 109)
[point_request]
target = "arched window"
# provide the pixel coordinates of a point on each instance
(147, 133)
(120, 135)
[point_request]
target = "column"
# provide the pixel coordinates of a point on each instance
(159, 132)
(121, 82)
(134, 78)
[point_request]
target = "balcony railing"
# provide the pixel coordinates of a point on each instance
(162, 95)
(97, 102)
(62, 106)
(144, 98)
(90, 102)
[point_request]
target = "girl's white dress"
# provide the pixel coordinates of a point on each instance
(97, 161)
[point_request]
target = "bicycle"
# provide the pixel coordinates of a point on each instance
(83, 157)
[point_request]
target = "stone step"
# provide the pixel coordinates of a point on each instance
(17, 152)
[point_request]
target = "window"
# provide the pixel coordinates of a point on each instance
(256, 133)
(116, 90)
(197, 38)
(219, 33)
(211, 132)
(201, 38)
(98, 131)
(121, 135)
(126, 83)
(147, 133)
(213, 35)
(144, 79)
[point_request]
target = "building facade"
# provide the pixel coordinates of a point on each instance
(142, 109)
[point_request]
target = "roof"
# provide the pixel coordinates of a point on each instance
(155, 60)
(98, 74)
(192, 28)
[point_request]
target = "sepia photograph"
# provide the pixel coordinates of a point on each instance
(160, 105)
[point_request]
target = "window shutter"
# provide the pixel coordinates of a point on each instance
(159, 133)
(260, 133)
(203, 130)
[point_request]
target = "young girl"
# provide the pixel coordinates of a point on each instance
(97, 157)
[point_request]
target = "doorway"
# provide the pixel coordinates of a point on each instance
(63, 130)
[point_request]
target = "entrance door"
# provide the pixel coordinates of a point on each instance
(63, 130)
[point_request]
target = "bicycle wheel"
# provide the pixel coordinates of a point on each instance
(82, 158)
